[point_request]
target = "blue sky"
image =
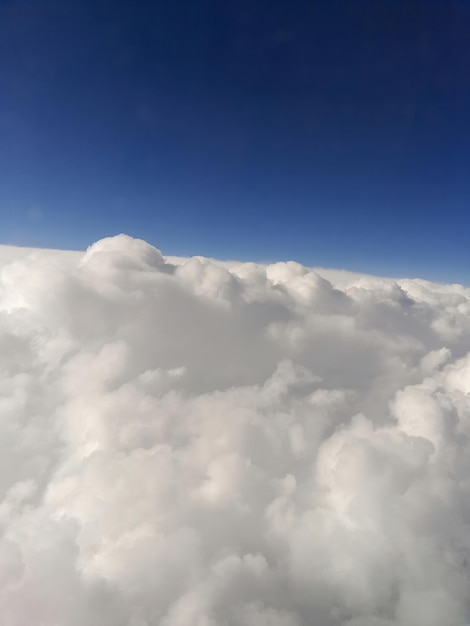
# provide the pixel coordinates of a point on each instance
(333, 133)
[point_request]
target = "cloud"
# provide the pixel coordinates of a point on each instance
(191, 443)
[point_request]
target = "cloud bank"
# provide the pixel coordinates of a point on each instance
(188, 443)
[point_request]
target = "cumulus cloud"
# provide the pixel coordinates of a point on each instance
(190, 443)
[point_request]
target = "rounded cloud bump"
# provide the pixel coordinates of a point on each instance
(204, 444)
(124, 253)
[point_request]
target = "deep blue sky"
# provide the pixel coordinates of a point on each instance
(334, 133)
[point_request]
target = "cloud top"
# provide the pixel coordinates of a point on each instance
(203, 444)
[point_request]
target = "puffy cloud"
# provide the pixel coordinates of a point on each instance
(190, 443)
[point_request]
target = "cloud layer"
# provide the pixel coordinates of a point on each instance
(199, 444)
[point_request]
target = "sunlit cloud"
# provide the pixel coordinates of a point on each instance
(189, 443)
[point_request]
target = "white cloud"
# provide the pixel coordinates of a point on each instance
(191, 443)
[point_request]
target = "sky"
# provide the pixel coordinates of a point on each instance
(332, 133)
(191, 443)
